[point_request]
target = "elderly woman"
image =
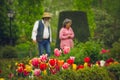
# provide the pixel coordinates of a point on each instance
(66, 34)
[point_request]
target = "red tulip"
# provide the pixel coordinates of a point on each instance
(20, 69)
(43, 66)
(21, 65)
(52, 62)
(87, 59)
(0, 71)
(80, 67)
(53, 71)
(25, 72)
(70, 61)
(108, 61)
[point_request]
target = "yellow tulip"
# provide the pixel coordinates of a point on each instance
(97, 64)
(30, 62)
(116, 62)
(74, 66)
(28, 68)
(16, 63)
(45, 72)
(85, 64)
(2, 79)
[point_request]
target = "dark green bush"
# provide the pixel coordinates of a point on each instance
(114, 71)
(9, 52)
(1, 51)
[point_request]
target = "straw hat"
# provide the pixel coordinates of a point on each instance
(46, 14)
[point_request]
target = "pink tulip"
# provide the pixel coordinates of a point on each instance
(37, 72)
(57, 52)
(35, 62)
(65, 66)
(103, 51)
(66, 50)
(11, 75)
(43, 58)
(72, 57)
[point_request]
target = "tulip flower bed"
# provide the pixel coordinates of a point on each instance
(46, 68)
(40, 66)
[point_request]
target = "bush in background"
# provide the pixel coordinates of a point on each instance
(9, 52)
(115, 50)
(26, 49)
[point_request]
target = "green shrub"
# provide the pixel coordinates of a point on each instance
(9, 52)
(90, 49)
(26, 49)
(51, 77)
(68, 75)
(114, 71)
(115, 51)
(82, 50)
(1, 48)
(94, 73)
(7, 66)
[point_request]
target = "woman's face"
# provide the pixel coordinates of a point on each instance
(68, 25)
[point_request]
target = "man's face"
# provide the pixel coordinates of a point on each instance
(46, 19)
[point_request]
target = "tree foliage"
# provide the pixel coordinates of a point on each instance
(4, 28)
(103, 18)
(107, 21)
(86, 6)
(27, 12)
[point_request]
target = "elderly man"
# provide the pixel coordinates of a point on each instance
(41, 34)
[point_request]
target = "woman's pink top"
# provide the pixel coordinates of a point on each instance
(65, 40)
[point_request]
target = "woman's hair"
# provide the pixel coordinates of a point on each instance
(66, 21)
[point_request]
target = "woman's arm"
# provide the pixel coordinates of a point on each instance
(62, 35)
